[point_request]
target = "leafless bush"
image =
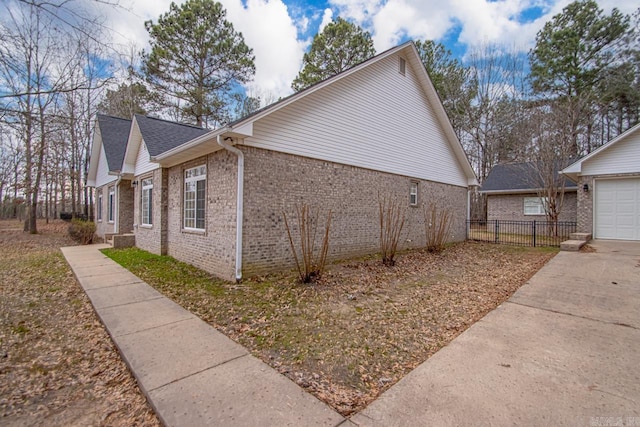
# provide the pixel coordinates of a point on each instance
(437, 224)
(392, 217)
(309, 259)
(82, 231)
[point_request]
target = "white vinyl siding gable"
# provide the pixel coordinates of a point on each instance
(624, 157)
(143, 163)
(376, 119)
(102, 175)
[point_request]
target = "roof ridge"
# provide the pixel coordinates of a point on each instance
(112, 117)
(172, 122)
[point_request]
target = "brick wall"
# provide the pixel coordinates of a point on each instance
(125, 207)
(511, 207)
(153, 238)
(275, 182)
(214, 249)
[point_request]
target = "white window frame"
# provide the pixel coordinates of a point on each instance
(111, 201)
(99, 207)
(190, 208)
(413, 193)
(534, 206)
(146, 201)
(402, 66)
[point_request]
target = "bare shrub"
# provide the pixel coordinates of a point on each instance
(82, 231)
(392, 217)
(437, 224)
(310, 260)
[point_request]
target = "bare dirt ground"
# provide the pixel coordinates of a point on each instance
(58, 366)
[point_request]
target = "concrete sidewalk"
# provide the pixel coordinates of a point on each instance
(563, 350)
(191, 374)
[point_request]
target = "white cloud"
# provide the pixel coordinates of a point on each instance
(480, 21)
(266, 25)
(327, 17)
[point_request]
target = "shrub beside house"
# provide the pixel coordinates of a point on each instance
(216, 199)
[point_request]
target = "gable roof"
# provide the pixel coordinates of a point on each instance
(162, 135)
(244, 127)
(114, 133)
(159, 136)
(111, 134)
(515, 178)
(575, 169)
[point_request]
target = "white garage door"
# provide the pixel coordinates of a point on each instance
(617, 209)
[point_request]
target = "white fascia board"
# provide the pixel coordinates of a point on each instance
(575, 169)
(95, 156)
(133, 145)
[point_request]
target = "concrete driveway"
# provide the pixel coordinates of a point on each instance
(563, 350)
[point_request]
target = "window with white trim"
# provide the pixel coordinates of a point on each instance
(402, 66)
(147, 201)
(99, 206)
(535, 205)
(194, 197)
(111, 204)
(413, 194)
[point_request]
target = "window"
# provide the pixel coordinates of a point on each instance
(413, 194)
(403, 66)
(534, 205)
(111, 203)
(147, 201)
(99, 206)
(194, 197)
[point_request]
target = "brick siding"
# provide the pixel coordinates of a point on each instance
(276, 182)
(214, 249)
(510, 207)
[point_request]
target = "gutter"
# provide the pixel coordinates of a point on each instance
(239, 202)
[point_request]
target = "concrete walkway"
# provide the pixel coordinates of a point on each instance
(191, 374)
(564, 350)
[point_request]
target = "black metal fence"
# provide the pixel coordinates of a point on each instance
(521, 233)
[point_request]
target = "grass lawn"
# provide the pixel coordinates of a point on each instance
(363, 326)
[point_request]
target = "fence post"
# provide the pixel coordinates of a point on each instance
(534, 233)
(497, 232)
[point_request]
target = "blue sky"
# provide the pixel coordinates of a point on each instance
(280, 31)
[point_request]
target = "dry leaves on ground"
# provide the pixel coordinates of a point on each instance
(363, 326)
(58, 365)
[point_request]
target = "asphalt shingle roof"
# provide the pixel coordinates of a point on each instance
(162, 135)
(115, 134)
(515, 176)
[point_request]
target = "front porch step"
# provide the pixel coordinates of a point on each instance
(123, 241)
(580, 236)
(572, 245)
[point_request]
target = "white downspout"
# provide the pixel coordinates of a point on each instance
(239, 203)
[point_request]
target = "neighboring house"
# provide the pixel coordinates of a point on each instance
(609, 188)
(377, 129)
(513, 194)
(113, 195)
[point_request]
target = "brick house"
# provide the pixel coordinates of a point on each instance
(513, 194)
(113, 195)
(217, 200)
(608, 182)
